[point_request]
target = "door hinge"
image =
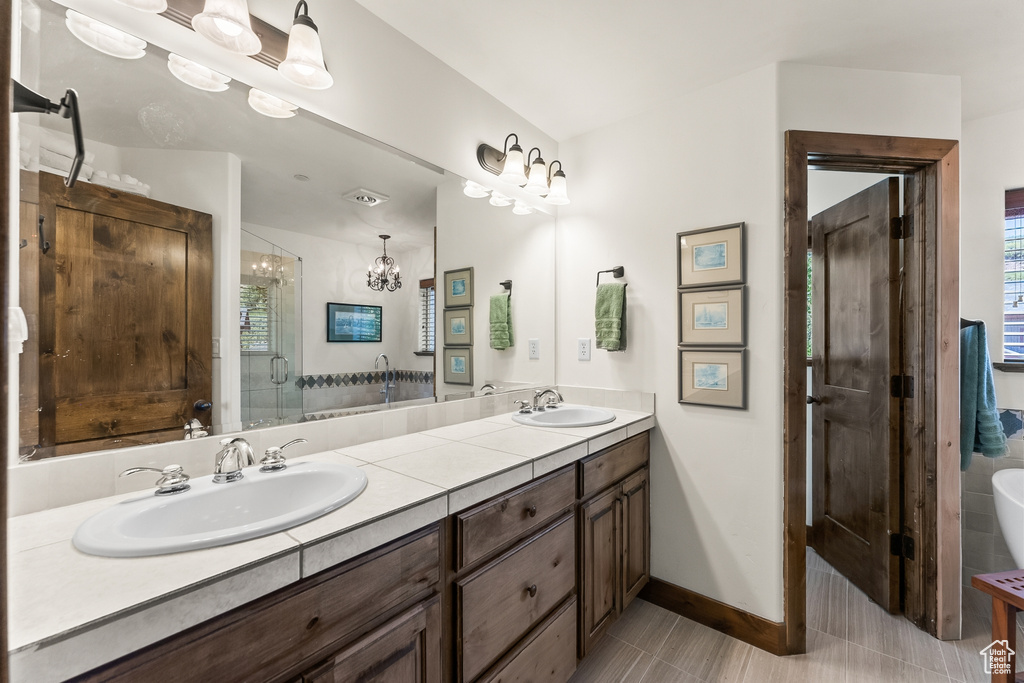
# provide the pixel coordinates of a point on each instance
(901, 386)
(902, 227)
(901, 545)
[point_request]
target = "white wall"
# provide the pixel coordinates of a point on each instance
(499, 245)
(710, 158)
(336, 271)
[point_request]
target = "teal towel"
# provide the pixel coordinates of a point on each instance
(501, 322)
(610, 317)
(980, 429)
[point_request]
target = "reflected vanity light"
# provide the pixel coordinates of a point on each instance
(475, 190)
(271, 106)
(104, 38)
(538, 182)
(304, 63)
(226, 23)
(196, 75)
(498, 199)
(152, 6)
(522, 208)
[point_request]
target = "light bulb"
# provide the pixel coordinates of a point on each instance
(226, 23)
(228, 28)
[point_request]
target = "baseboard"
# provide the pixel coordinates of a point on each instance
(769, 636)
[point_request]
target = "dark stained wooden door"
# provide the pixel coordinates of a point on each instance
(636, 528)
(855, 350)
(600, 558)
(125, 318)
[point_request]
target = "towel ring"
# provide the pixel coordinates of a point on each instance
(507, 284)
(617, 271)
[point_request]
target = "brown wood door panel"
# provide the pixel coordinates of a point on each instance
(28, 285)
(855, 349)
(636, 543)
(125, 315)
(600, 561)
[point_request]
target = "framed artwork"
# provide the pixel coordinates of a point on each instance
(712, 377)
(711, 256)
(713, 316)
(458, 366)
(458, 288)
(458, 326)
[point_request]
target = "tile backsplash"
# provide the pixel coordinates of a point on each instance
(55, 482)
(984, 549)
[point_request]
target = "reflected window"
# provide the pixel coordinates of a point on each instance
(426, 318)
(1013, 277)
(254, 321)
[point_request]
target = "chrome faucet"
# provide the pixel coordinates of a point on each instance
(487, 386)
(237, 450)
(541, 393)
(388, 383)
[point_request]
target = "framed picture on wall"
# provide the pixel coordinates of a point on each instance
(712, 377)
(458, 326)
(711, 256)
(458, 366)
(713, 316)
(458, 288)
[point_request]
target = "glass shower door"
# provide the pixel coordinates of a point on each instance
(270, 323)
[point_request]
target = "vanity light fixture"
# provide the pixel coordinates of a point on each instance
(271, 106)
(522, 208)
(475, 190)
(196, 75)
(498, 199)
(538, 182)
(383, 273)
(304, 63)
(106, 39)
(152, 6)
(226, 23)
(513, 170)
(556, 193)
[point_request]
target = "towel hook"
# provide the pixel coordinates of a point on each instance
(507, 284)
(617, 271)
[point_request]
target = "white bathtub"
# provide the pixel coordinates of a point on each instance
(1008, 490)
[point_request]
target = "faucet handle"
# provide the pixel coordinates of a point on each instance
(273, 459)
(173, 478)
(524, 406)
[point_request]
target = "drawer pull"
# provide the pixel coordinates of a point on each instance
(532, 510)
(532, 590)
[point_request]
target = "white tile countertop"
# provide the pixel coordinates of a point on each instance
(69, 612)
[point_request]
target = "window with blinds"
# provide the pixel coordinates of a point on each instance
(426, 341)
(254, 320)
(1013, 277)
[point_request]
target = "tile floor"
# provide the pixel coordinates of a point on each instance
(849, 638)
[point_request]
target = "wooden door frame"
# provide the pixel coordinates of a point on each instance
(934, 450)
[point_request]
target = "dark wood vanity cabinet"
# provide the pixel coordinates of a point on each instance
(614, 522)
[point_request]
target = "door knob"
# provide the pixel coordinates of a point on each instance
(814, 398)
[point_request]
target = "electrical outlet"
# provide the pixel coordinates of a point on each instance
(583, 349)
(534, 345)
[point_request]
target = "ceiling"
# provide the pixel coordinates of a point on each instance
(570, 66)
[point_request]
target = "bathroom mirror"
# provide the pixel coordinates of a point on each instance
(298, 206)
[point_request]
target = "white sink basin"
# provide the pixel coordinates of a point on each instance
(211, 514)
(566, 416)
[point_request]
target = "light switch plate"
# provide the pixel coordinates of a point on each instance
(534, 345)
(216, 347)
(583, 349)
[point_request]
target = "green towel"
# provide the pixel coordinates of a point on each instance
(980, 428)
(610, 317)
(501, 322)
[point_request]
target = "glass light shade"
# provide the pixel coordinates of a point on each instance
(196, 75)
(271, 106)
(304, 63)
(154, 6)
(557, 195)
(513, 171)
(475, 190)
(538, 182)
(521, 208)
(104, 38)
(498, 199)
(226, 23)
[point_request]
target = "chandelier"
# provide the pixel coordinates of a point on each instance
(383, 273)
(269, 266)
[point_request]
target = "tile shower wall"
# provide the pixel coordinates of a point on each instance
(353, 389)
(984, 549)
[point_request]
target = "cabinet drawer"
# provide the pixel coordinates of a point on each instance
(550, 657)
(603, 469)
(488, 527)
(503, 600)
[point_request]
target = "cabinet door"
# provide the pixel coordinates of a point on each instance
(405, 650)
(636, 543)
(600, 554)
